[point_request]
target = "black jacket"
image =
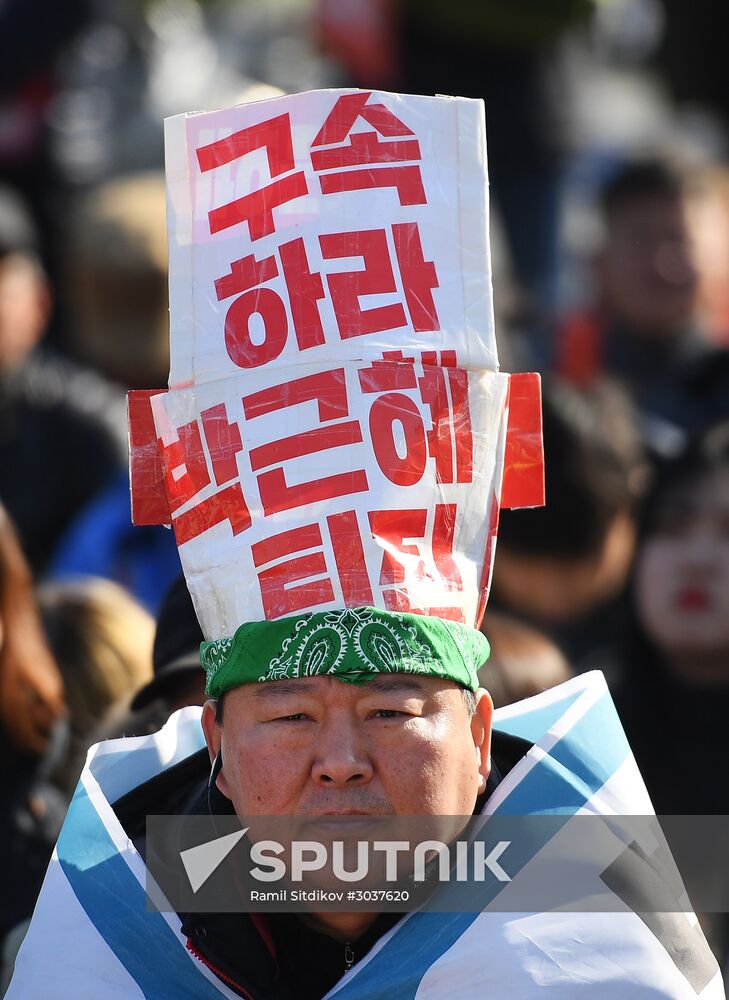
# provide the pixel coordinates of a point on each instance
(271, 957)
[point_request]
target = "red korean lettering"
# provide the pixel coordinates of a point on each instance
(434, 394)
(444, 388)
(224, 442)
(444, 527)
(227, 505)
(388, 410)
(277, 495)
(346, 111)
(241, 348)
(394, 372)
(305, 288)
(281, 590)
(186, 474)
(399, 530)
(256, 208)
(407, 180)
(244, 274)
(366, 148)
(393, 527)
(273, 135)
(458, 382)
(185, 466)
(330, 391)
(307, 443)
(376, 277)
(280, 593)
(418, 275)
(350, 560)
(267, 305)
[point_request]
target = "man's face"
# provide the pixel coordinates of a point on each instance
(400, 744)
(646, 271)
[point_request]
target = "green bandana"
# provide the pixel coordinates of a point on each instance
(355, 645)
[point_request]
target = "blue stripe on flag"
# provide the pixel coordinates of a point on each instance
(562, 779)
(532, 725)
(115, 903)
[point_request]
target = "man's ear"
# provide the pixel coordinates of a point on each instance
(481, 733)
(213, 737)
(211, 729)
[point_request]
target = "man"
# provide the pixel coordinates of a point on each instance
(352, 742)
(398, 732)
(644, 329)
(338, 568)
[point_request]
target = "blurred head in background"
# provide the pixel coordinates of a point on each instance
(102, 639)
(558, 562)
(523, 661)
(646, 272)
(117, 280)
(681, 586)
(178, 679)
(25, 299)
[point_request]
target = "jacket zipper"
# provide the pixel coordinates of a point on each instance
(348, 957)
(221, 975)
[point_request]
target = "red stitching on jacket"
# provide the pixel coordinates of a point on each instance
(221, 975)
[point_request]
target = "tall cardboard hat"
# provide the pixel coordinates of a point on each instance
(336, 433)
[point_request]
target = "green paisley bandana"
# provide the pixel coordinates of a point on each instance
(355, 645)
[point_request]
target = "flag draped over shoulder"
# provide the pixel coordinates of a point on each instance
(91, 936)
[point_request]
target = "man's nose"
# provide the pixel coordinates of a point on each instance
(341, 756)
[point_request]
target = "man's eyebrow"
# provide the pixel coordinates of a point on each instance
(384, 685)
(283, 688)
(302, 686)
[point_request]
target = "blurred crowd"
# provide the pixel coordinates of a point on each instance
(608, 141)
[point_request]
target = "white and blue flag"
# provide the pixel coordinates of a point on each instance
(92, 937)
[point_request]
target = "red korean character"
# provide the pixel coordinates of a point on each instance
(376, 277)
(330, 391)
(418, 275)
(186, 474)
(394, 527)
(256, 208)
(391, 410)
(282, 593)
(450, 417)
(367, 148)
(305, 288)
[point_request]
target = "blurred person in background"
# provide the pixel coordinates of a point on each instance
(62, 434)
(563, 568)
(673, 657)
(32, 714)
(117, 287)
(644, 328)
(178, 679)
(116, 278)
(511, 53)
(523, 661)
(101, 639)
(671, 670)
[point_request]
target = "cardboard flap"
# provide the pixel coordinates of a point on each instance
(523, 483)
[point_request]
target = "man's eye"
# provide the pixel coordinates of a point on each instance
(388, 713)
(296, 717)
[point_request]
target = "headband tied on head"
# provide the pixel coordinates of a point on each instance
(352, 644)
